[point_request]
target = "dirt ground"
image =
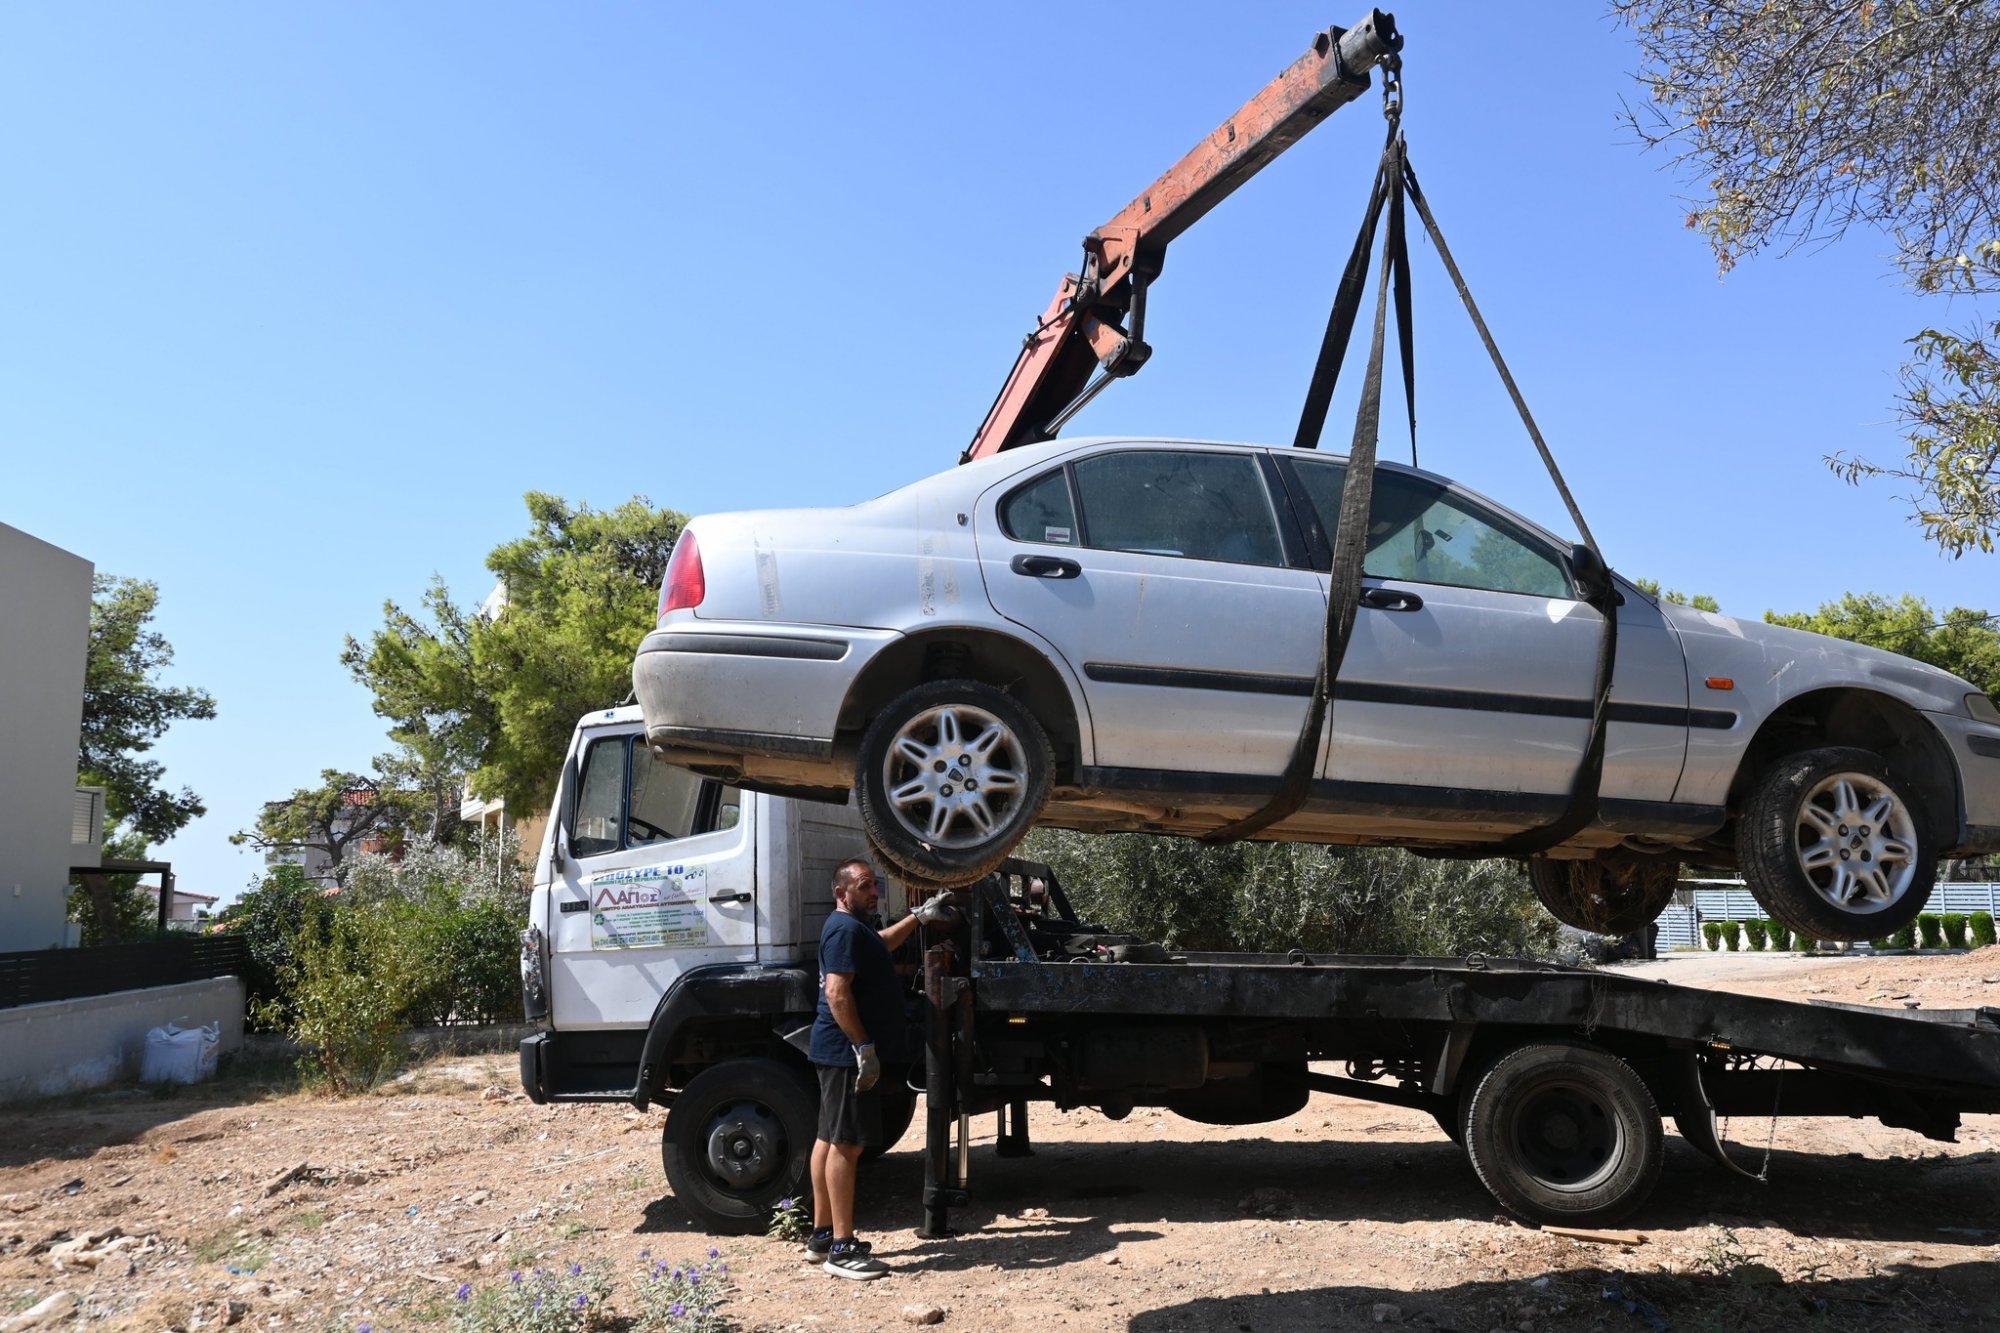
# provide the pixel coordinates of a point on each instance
(242, 1203)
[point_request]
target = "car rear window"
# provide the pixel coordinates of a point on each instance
(1041, 511)
(1198, 505)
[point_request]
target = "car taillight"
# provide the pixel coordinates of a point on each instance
(685, 585)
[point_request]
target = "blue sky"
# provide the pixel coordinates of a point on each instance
(296, 301)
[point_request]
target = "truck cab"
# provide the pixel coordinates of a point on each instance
(670, 959)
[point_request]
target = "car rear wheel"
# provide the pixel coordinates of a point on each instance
(1614, 893)
(1833, 846)
(950, 776)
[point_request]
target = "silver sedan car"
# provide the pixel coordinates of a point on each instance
(1122, 634)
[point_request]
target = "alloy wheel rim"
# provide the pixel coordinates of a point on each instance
(1856, 841)
(954, 773)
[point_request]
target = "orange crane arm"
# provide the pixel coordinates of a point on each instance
(1085, 324)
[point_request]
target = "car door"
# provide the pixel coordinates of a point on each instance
(1471, 668)
(1161, 575)
(659, 878)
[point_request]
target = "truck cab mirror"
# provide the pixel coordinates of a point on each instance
(1592, 578)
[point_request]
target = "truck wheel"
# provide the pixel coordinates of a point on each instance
(950, 776)
(738, 1139)
(1564, 1132)
(1612, 893)
(1834, 847)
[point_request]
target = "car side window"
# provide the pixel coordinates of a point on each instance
(1197, 505)
(1041, 511)
(1418, 532)
(629, 799)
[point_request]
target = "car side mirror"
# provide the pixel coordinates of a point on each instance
(1588, 569)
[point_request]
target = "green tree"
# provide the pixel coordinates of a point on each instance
(342, 815)
(125, 711)
(496, 695)
(1701, 601)
(1963, 642)
(1802, 118)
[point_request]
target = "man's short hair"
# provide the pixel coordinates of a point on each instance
(845, 874)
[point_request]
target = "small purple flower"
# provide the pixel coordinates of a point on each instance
(714, 1253)
(677, 1310)
(514, 1276)
(465, 1291)
(646, 1253)
(576, 1270)
(786, 1205)
(581, 1300)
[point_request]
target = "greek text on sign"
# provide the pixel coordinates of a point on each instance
(649, 907)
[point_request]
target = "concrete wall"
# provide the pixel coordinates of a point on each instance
(49, 1049)
(44, 639)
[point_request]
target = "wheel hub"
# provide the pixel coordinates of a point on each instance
(746, 1145)
(953, 774)
(1567, 1138)
(1856, 841)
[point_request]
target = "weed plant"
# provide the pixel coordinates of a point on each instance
(683, 1299)
(560, 1299)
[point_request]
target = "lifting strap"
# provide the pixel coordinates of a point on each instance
(1394, 181)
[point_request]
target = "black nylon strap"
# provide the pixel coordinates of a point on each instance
(1584, 788)
(1357, 487)
(1340, 322)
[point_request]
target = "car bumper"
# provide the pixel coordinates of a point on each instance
(1975, 747)
(752, 691)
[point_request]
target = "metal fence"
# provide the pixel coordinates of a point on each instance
(72, 974)
(1728, 900)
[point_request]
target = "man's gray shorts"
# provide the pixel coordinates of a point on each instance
(847, 1116)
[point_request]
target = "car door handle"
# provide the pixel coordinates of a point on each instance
(1391, 599)
(1046, 567)
(729, 897)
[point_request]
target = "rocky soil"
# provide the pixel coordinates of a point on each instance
(245, 1203)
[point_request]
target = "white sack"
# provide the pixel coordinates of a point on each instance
(180, 1055)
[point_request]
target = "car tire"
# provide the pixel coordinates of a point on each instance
(1832, 845)
(1614, 893)
(910, 779)
(738, 1139)
(1564, 1132)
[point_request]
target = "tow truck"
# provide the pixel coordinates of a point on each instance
(669, 960)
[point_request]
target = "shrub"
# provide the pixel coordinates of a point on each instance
(559, 1299)
(1982, 929)
(1272, 897)
(1732, 936)
(1711, 933)
(1932, 928)
(1954, 930)
(1906, 938)
(1759, 932)
(1781, 936)
(685, 1299)
(348, 988)
(269, 918)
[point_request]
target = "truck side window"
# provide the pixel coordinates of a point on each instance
(600, 802)
(628, 799)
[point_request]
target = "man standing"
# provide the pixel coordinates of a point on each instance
(860, 1025)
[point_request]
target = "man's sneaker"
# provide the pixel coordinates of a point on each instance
(820, 1244)
(850, 1259)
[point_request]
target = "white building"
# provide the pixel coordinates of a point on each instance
(47, 823)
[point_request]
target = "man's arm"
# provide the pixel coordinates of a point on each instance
(894, 935)
(840, 1000)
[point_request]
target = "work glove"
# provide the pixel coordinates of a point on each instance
(868, 1067)
(936, 911)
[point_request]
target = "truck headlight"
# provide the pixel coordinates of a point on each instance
(1983, 708)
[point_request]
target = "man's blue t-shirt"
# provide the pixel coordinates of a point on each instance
(849, 944)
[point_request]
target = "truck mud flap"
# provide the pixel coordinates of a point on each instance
(1694, 1114)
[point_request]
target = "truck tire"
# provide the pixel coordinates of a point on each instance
(1833, 846)
(1612, 893)
(899, 1107)
(738, 1139)
(1564, 1132)
(950, 776)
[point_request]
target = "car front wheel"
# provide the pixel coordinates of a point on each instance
(950, 776)
(1835, 847)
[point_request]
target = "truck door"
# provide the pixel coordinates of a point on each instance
(660, 878)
